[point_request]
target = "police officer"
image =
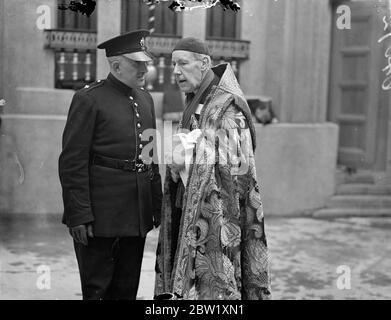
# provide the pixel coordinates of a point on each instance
(112, 192)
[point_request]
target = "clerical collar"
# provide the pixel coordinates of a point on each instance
(120, 86)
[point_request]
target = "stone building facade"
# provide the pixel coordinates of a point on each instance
(289, 50)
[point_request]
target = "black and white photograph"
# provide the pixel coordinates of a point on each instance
(212, 150)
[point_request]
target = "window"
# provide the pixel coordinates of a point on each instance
(135, 15)
(75, 56)
(222, 24)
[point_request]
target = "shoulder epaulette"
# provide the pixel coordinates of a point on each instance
(144, 91)
(93, 85)
(141, 89)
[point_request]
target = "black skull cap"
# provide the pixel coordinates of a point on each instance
(193, 45)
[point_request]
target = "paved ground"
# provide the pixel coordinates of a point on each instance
(305, 257)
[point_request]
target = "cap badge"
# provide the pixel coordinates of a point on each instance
(142, 44)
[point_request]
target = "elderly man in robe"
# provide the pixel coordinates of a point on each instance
(212, 243)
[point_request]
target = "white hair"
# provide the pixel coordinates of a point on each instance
(200, 56)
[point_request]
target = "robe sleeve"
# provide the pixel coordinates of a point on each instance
(236, 150)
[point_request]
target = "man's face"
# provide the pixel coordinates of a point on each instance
(187, 70)
(133, 72)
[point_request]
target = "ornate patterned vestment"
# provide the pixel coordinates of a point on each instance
(221, 251)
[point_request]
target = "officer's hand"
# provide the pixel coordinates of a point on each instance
(80, 233)
(90, 234)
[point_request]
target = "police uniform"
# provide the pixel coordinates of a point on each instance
(106, 180)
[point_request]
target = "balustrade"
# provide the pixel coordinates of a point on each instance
(75, 57)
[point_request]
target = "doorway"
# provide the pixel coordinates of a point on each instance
(357, 102)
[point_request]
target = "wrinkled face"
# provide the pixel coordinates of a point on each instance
(187, 70)
(132, 72)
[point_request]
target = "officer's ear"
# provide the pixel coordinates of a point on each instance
(115, 65)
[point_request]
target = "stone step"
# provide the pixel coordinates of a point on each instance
(351, 212)
(360, 201)
(359, 178)
(363, 189)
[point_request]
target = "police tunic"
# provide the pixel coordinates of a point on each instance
(107, 119)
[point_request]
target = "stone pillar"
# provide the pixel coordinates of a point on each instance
(306, 60)
(109, 25)
(25, 62)
(194, 23)
(289, 55)
(254, 28)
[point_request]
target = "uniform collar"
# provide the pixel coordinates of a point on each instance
(120, 86)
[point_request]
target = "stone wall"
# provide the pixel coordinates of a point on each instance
(30, 145)
(25, 61)
(289, 56)
(296, 165)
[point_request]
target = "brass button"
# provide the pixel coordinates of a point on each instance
(131, 98)
(140, 157)
(140, 135)
(135, 104)
(140, 146)
(138, 125)
(137, 115)
(140, 170)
